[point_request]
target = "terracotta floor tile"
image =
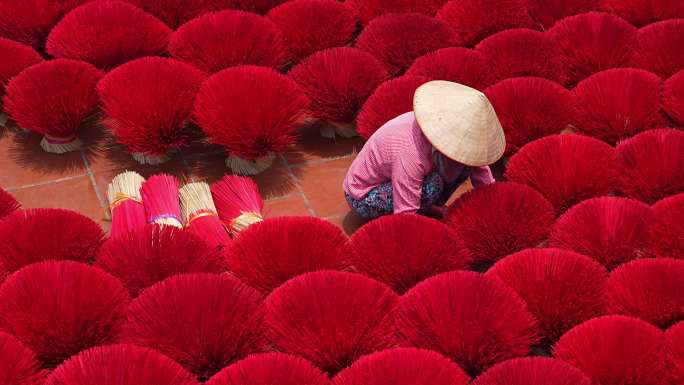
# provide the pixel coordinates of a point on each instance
(311, 146)
(322, 184)
(348, 222)
(74, 194)
(292, 205)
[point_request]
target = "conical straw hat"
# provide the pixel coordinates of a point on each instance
(460, 122)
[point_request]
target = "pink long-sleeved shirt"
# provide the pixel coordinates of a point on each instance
(399, 152)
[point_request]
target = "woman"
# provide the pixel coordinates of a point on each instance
(415, 162)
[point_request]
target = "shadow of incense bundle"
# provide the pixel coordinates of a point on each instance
(125, 202)
(160, 197)
(238, 202)
(200, 214)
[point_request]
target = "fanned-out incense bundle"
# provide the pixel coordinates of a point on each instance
(160, 197)
(238, 201)
(200, 214)
(125, 202)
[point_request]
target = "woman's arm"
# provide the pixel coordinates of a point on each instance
(481, 176)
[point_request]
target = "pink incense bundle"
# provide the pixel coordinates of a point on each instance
(381, 250)
(310, 26)
(58, 308)
(473, 319)
(120, 365)
(474, 20)
(616, 350)
(252, 112)
(107, 33)
(561, 288)
(200, 215)
(338, 81)
(368, 10)
(610, 230)
(593, 42)
(650, 165)
(229, 38)
(546, 12)
(64, 91)
(175, 13)
(125, 202)
(331, 318)
(23, 56)
(30, 21)
(238, 202)
(666, 232)
(455, 64)
(269, 253)
(649, 289)
(675, 343)
(533, 371)
(530, 108)
(402, 366)
(399, 39)
(566, 169)
(270, 368)
(659, 48)
(672, 97)
(128, 94)
(7, 203)
(147, 255)
(160, 197)
(19, 365)
(522, 52)
(202, 321)
(391, 99)
(641, 13)
(618, 103)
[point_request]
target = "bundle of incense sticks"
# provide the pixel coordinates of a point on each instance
(125, 202)
(200, 214)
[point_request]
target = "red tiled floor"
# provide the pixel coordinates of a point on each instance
(322, 184)
(312, 147)
(349, 222)
(291, 205)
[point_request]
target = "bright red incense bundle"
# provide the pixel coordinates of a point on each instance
(331, 318)
(270, 368)
(382, 250)
(65, 91)
(530, 108)
(618, 103)
(658, 47)
(545, 13)
(34, 235)
(147, 255)
(611, 230)
(474, 20)
(58, 308)
(641, 13)
(160, 197)
(309, 26)
(200, 215)
(107, 33)
(593, 42)
(616, 350)
(475, 320)
(566, 169)
(649, 289)
(19, 365)
(672, 97)
(561, 288)
(532, 371)
(675, 344)
(125, 202)
(500, 219)
(164, 86)
(398, 39)
(238, 202)
(7, 203)
(523, 52)
(252, 112)
(22, 56)
(220, 321)
(666, 231)
(338, 81)
(459, 65)
(30, 21)
(651, 165)
(391, 99)
(120, 365)
(368, 10)
(269, 253)
(229, 38)
(402, 366)
(258, 6)
(175, 13)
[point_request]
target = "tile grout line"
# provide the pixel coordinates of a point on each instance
(40, 184)
(103, 203)
(282, 197)
(299, 187)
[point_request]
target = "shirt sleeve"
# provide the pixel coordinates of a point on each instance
(407, 186)
(481, 176)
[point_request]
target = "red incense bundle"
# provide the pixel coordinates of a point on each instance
(125, 202)
(160, 197)
(7, 203)
(200, 214)
(238, 201)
